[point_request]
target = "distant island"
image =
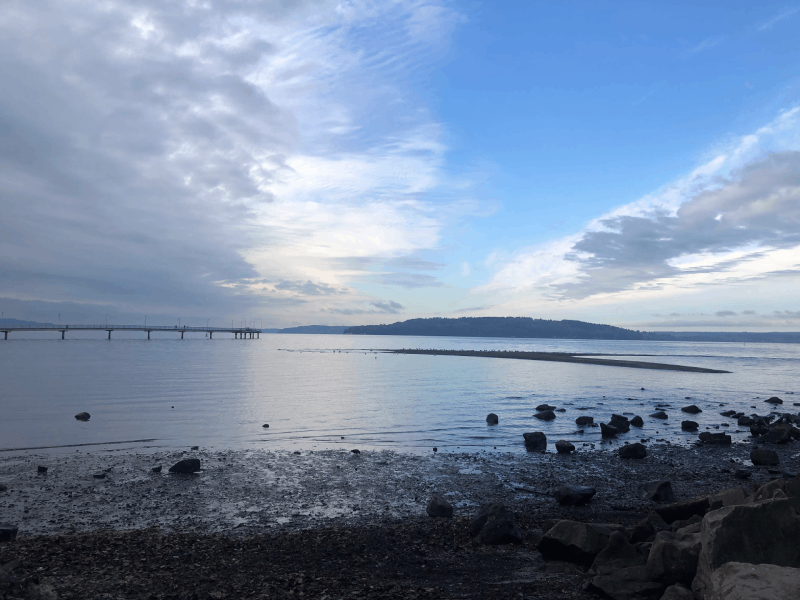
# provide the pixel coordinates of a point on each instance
(526, 327)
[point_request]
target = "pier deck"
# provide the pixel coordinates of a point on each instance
(238, 332)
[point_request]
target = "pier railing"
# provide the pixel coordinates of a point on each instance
(239, 332)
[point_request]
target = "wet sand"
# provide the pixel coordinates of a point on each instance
(559, 357)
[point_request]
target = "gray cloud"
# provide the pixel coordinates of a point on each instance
(725, 313)
(748, 312)
(759, 204)
(380, 308)
(308, 288)
(408, 281)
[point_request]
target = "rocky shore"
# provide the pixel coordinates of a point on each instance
(333, 524)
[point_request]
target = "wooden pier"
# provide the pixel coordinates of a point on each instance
(242, 333)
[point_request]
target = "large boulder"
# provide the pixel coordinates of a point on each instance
(564, 447)
(745, 581)
(776, 435)
(646, 529)
(681, 511)
(729, 497)
(8, 532)
(492, 419)
(621, 423)
(691, 409)
(495, 525)
(631, 583)
(187, 465)
(637, 421)
(636, 450)
(657, 491)
(690, 425)
(767, 491)
(608, 431)
(83, 416)
(660, 414)
(571, 494)
(619, 553)
(543, 407)
(677, 592)
(545, 415)
(535, 441)
(576, 542)
(584, 420)
(439, 507)
(763, 457)
(673, 557)
(722, 439)
(774, 400)
(756, 533)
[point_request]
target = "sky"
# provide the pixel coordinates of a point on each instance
(330, 162)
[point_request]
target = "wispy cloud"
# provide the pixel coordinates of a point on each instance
(706, 44)
(785, 14)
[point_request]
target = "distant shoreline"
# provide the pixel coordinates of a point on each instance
(560, 357)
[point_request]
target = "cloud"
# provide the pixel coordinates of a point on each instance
(785, 14)
(380, 308)
(749, 312)
(704, 45)
(725, 313)
(308, 288)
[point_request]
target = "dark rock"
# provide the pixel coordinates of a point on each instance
(673, 557)
(690, 525)
(41, 469)
(775, 436)
(729, 497)
(492, 419)
(745, 421)
(620, 423)
(774, 400)
(265, 426)
(636, 450)
(99, 475)
(691, 409)
(715, 438)
(564, 447)
(584, 420)
(187, 465)
(742, 473)
(637, 421)
(678, 592)
(608, 431)
(657, 491)
(660, 415)
(157, 469)
(763, 457)
(495, 525)
(533, 537)
(646, 529)
(570, 494)
(728, 413)
(547, 415)
(745, 581)
(535, 441)
(83, 416)
(627, 584)
(8, 532)
(618, 554)
(680, 511)
(543, 407)
(758, 429)
(767, 491)
(3, 487)
(689, 425)
(355, 451)
(439, 507)
(576, 542)
(195, 448)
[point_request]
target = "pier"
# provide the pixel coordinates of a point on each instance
(242, 333)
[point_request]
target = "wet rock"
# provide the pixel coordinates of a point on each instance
(564, 447)
(608, 431)
(584, 420)
(495, 525)
(157, 469)
(492, 419)
(627, 584)
(543, 407)
(657, 491)
(547, 415)
(636, 450)
(637, 421)
(745, 421)
(673, 557)
(570, 494)
(83, 416)
(355, 451)
(722, 439)
(265, 426)
(729, 497)
(439, 507)
(660, 414)
(187, 465)
(763, 457)
(677, 592)
(8, 532)
(646, 529)
(775, 436)
(758, 533)
(576, 542)
(41, 469)
(618, 554)
(620, 423)
(728, 413)
(680, 511)
(691, 409)
(742, 473)
(774, 400)
(99, 475)
(689, 425)
(195, 448)
(744, 581)
(535, 441)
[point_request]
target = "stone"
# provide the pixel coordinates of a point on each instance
(729, 497)
(439, 507)
(763, 457)
(619, 553)
(722, 439)
(99, 475)
(636, 450)
(637, 421)
(495, 525)
(584, 420)
(756, 533)
(775, 436)
(688, 524)
(543, 407)
(627, 584)
(492, 419)
(673, 557)
(546, 415)
(745, 421)
(3, 487)
(8, 532)
(187, 465)
(535, 441)
(745, 581)
(355, 451)
(195, 448)
(576, 542)
(533, 537)
(608, 431)
(646, 529)
(570, 494)
(265, 426)
(83, 416)
(767, 491)
(621, 423)
(689, 425)
(680, 511)
(742, 473)
(660, 414)
(157, 469)
(677, 592)
(564, 447)
(774, 400)
(657, 491)
(41, 469)
(691, 409)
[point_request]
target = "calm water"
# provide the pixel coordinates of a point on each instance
(314, 390)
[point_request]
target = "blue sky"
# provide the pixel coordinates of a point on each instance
(345, 163)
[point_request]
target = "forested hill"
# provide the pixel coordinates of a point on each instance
(508, 327)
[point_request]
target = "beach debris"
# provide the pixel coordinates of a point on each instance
(619, 553)
(689, 425)
(691, 409)
(157, 469)
(564, 447)
(774, 400)
(265, 426)
(492, 419)
(535, 441)
(547, 415)
(41, 469)
(584, 420)
(608, 431)
(439, 507)
(576, 542)
(570, 494)
(543, 407)
(637, 421)
(494, 525)
(762, 457)
(636, 450)
(187, 465)
(722, 439)
(657, 491)
(8, 532)
(660, 414)
(83, 416)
